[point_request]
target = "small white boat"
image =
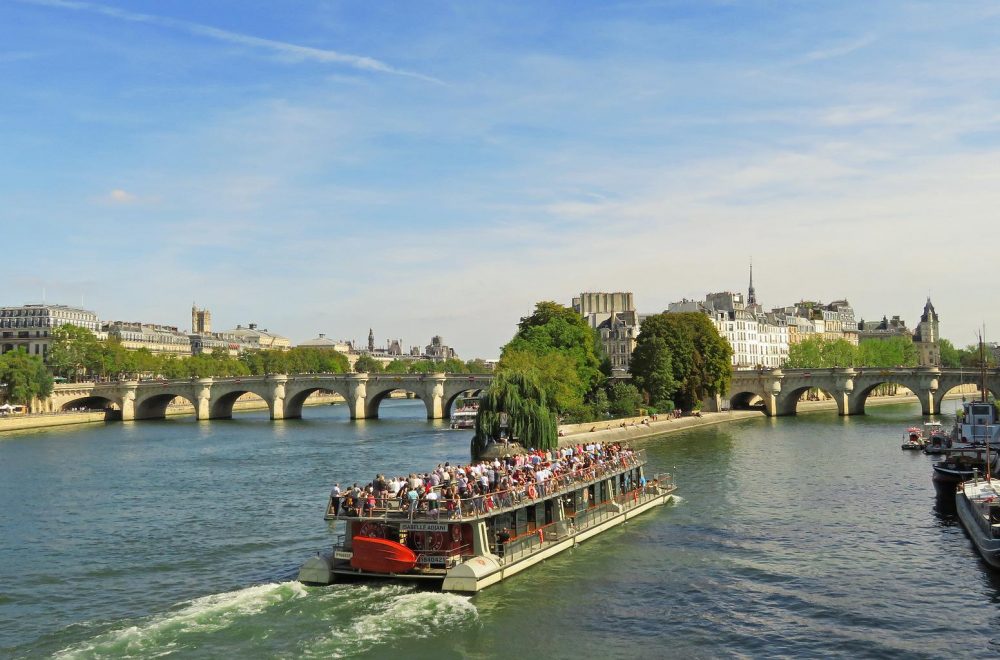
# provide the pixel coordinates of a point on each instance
(978, 506)
(464, 416)
(913, 439)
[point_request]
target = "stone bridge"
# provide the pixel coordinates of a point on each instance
(213, 398)
(779, 389)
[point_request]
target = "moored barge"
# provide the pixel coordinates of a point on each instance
(470, 543)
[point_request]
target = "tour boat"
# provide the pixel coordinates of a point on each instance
(487, 538)
(978, 506)
(935, 439)
(464, 416)
(913, 439)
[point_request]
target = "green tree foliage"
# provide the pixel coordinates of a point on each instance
(477, 366)
(550, 344)
(24, 377)
(950, 356)
(367, 364)
(555, 372)
(530, 420)
(652, 369)
(680, 358)
(74, 352)
(624, 399)
(397, 366)
(820, 353)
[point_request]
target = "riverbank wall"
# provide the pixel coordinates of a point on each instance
(637, 428)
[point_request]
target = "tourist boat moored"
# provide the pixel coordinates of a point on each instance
(978, 506)
(913, 439)
(960, 465)
(468, 543)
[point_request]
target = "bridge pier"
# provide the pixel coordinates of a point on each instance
(357, 396)
(128, 401)
(276, 400)
(434, 397)
(203, 399)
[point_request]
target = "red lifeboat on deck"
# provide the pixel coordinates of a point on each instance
(381, 556)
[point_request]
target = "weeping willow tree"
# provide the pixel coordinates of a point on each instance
(529, 419)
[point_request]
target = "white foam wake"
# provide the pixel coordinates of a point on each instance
(158, 635)
(391, 615)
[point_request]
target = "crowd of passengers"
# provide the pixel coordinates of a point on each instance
(480, 487)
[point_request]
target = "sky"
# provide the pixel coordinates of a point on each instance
(425, 168)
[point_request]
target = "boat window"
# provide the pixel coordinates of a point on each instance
(548, 512)
(520, 522)
(530, 511)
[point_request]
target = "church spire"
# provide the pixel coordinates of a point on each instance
(751, 294)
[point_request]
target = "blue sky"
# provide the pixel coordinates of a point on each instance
(437, 168)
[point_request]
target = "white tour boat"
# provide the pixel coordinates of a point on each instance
(468, 543)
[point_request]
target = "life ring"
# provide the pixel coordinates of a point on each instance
(532, 493)
(456, 533)
(541, 536)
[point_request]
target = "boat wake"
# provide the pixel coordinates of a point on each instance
(279, 616)
(164, 633)
(676, 500)
(389, 613)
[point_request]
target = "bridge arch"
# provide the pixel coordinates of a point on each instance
(787, 403)
(154, 406)
(748, 400)
(92, 402)
(864, 387)
(379, 392)
(295, 402)
(221, 407)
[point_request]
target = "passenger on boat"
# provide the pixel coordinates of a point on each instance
(503, 538)
(335, 498)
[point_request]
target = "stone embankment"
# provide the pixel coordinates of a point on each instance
(635, 429)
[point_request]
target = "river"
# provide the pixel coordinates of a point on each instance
(807, 536)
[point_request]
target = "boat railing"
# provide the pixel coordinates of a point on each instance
(528, 543)
(494, 502)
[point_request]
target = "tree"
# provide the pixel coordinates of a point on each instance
(681, 358)
(517, 398)
(75, 351)
(477, 366)
(950, 356)
(555, 373)
(397, 366)
(367, 364)
(652, 369)
(624, 399)
(25, 377)
(557, 348)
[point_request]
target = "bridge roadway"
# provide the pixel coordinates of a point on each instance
(213, 398)
(779, 389)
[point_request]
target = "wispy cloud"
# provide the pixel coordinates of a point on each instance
(288, 51)
(839, 50)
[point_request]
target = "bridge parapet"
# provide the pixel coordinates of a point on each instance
(780, 389)
(213, 398)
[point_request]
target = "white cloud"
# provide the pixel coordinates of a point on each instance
(119, 196)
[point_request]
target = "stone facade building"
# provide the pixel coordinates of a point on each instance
(157, 339)
(29, 327)
(614, 316)
(263, 338)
